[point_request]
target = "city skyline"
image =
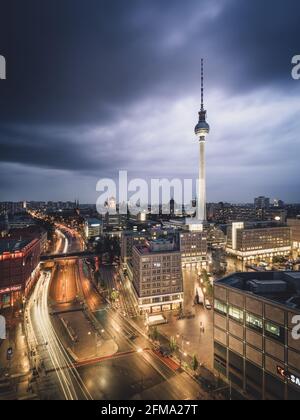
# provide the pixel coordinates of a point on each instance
(135, 107)
(149, 203)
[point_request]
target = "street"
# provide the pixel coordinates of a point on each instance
(90, 352)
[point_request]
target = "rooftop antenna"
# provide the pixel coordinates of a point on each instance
(202, 84)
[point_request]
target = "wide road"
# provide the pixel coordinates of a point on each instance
(58, 376)
(62, 244)
(64, 285)
(91, 295)
(134, 372)
(63, 289)
(50, 352)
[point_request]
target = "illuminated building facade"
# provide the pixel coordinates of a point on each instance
(193, 247)
(249, 242)
(19, 269)
(294, 224)
(93, 228)
(129, 239)
(157, 277)
(255, 346)
(262, 202)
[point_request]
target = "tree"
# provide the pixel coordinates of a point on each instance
(154, 334)
(114, 295)
(207, 283)
(173, 344)
(194, 363)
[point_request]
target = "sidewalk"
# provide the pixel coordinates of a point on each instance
(89, 343)
(14, 373)
(199, 343)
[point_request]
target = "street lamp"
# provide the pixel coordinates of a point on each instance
(181, 351)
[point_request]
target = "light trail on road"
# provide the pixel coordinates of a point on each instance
(62, 244)
(125, 329)
(40, 326)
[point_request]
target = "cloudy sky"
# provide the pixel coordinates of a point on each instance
(98, 86)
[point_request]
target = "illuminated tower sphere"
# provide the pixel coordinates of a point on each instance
(201, 131)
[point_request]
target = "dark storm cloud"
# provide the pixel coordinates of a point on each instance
(74, 65)
(80, 61)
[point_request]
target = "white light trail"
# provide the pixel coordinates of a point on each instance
(39, 325)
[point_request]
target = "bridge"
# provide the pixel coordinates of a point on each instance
(68, 256)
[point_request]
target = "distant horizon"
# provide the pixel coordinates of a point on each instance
(94, 204)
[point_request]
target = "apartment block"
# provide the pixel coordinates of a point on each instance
(157, 276)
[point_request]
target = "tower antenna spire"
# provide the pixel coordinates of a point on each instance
(202, 84)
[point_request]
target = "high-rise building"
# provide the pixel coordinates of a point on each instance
(19, 269)
(294, 224)
(255, 348)
(129, 239)
(193, 247)
(157, 276)
(262, 203)
(93, 228)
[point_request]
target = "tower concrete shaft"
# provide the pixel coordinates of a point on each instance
(201, 131)
(201, 202)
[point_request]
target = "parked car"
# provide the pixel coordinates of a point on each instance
(208, 305)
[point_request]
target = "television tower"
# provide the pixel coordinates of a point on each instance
(201, 131)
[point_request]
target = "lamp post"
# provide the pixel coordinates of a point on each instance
(181, 350)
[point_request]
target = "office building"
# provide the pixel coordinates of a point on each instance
(157, 276)
(93, 228)
(294, 225)
(19, 269)
(262, 203)
(193, 248)
(252, 241)
(31, 232)
(115, 221)
(129, 239)
(256, 349)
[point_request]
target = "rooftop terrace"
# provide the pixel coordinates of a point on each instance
(279, 287)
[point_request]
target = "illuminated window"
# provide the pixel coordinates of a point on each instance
(220, 307)
(236, 314)
(254, 321)
(272, 329)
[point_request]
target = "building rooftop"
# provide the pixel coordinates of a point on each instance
(158, 246)
(278, 286)
(94, 221)
(8, 245)
(263, 225)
